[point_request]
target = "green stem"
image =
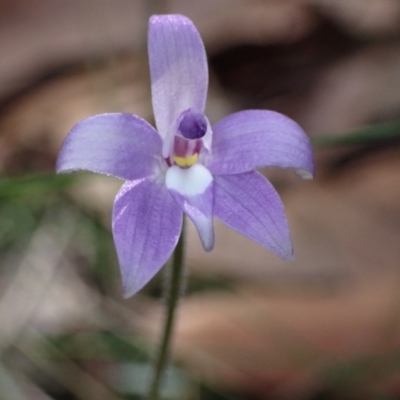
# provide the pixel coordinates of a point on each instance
(174, 291)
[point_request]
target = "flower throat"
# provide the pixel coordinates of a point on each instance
(188, 140)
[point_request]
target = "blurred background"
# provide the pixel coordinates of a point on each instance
(251, 326)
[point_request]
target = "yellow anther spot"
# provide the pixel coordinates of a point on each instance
(186, 161)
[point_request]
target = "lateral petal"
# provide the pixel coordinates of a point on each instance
(193, 190)
(122, 145)
(257, 138)
(146, 226)
(178, 68)
(249, 204)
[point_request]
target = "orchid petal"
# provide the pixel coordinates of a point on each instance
(193, 190)
(249, 204)
(178, 68)
(252, 139)
(147, 223)
(122, 145)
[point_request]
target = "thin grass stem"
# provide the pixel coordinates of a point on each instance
(173, 293)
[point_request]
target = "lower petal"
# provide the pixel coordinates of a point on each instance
(147, 223)
(193, 189)
(249, 204)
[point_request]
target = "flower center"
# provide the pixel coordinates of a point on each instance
(188, 139)
(185, 162)
(185, 152)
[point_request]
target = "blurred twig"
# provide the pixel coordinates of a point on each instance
(70, 375)
(35, 184)
(34, 272)
(9, 388)
(372, 133)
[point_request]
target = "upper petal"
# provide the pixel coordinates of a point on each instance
(256, 138)
(178, 68)
(122, 145)
(249, 204)
(147, 223)
(193, 189)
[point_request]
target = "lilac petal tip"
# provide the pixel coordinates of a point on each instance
(249, 204)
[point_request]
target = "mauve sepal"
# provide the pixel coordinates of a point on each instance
(178, 68)
(119, 144)
(253, 139)
(250, 205)
(146, 226)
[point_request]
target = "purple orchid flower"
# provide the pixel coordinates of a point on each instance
(186, 166)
